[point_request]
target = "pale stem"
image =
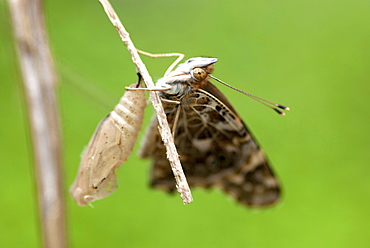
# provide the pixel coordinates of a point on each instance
(39, 80)
(172, 155)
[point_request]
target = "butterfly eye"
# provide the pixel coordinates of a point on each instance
(199, 74)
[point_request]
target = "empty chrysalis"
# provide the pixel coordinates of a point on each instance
(109, 147)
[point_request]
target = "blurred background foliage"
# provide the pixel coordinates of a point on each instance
(313, 56)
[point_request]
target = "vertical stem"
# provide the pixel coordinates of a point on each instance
(39, 83)
(172, 155)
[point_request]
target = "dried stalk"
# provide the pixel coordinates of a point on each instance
(172, 155)
(39, 83)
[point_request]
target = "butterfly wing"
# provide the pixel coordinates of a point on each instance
(215, 148)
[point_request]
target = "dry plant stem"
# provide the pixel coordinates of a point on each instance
(39, 80)
(172, 155)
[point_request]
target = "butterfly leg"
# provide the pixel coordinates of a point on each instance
(176, 115)
(147, 89)
(139, 82)
(170, 68)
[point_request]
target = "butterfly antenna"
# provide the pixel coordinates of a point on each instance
(259, 99)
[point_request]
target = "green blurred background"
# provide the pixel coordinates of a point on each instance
(313, 56)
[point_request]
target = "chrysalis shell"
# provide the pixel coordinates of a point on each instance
(108, 149)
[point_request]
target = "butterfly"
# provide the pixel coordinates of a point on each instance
(216, 148)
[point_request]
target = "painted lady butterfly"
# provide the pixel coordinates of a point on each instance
(215, 146)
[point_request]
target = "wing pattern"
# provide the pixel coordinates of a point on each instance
(215, 148)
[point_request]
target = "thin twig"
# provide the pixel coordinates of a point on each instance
(172, 155)
(39, 79)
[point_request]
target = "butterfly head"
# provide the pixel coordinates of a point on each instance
(197, 68)
(187, 76)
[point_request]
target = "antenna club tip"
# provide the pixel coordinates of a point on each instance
(283, 107)
(279, 112)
